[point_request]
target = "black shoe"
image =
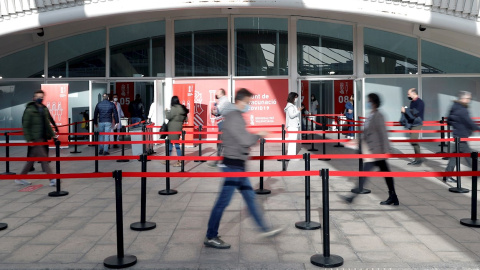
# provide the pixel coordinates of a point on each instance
(101, 152)
(32, 169)
(347, 199)
(451, 180)
(415, 162)
(392, 199)
(216, 242)
(115, 146)
(106, 153)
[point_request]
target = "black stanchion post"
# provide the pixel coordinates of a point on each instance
(143, 225)
(144, 146)
(200, 128)
(95, 136)
(312, 147)
(75, 151)
(261, 190)
(305, 136)
(360, 189)
(307, 224)
(339, 130)
(7, 155)
(120, 260)
(123, 150)
(442, 135)
(58, 192)
(284, 161)
(326, 259)
(448, 143)
(324, 129)
(167, 190)
(473, 221)
(182, 162)
(458, 188)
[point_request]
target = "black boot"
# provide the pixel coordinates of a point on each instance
(392, 199)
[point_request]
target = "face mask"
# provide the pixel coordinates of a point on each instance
(39, 100)
(410, 98)
(295, 101)
(369, 105)
(115, 99)
(247, 107)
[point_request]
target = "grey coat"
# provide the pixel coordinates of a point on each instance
(176, 116)
(375, 134)
(236, 139)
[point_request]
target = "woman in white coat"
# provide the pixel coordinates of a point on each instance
(292, 122)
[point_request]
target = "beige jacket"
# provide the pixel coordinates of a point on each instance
(375, 137)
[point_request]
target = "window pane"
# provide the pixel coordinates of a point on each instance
(261, 46)
(389, 53)
(440, 59)
(78, 56)
(209, 37)
(137, 50)
(23, 64)
(324, 48)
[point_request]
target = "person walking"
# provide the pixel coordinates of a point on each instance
(176, 116)
(463, 127)
(292, 121)
(237, 142)
(349, 115)
(137, 110)
(414, 121)
(221, 108)
(36, 129)
(104, 116)
(374, 140)
(118, 126)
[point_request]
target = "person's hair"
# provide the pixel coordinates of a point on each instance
(105, 96)
(40, 91)
(174, 101)
(291, 97)
(222, 90)
(242, 94)
(137, 96)
(314, 98)
(413, 90)
(464, 94)
(375, 99)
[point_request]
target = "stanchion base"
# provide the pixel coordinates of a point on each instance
(123, 160)
(200, 161)
(303, 225)
(145, 226)
(361, 191)
(458, 190)
(58, 193)
(3, 226)
(312, 150)
(325, 159)
(75, 152)
(445, 158)
(8, 173)
(338, 145)
(167, 192)
(117, 263)
(470, 222)
(263, 191)
(330, 261)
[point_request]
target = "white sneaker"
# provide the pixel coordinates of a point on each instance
(221, 165)
(272, 232)
(53, 182)
(22, 182)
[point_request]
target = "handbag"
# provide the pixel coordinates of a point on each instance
(164, 129)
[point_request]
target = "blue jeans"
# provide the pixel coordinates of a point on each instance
(104, 127)
(177, 147)
(229, 185)
(136, 120)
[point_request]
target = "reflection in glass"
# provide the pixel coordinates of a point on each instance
(209, 38)
(23, 64)
(81, 55)
(389, 53)
(261, 46)
(138, 50)
(440, 59)
(324, 48)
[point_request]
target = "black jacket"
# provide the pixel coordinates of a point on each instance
(459, 119)
(105, 111)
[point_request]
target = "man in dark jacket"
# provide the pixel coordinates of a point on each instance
(36, 129)
(237, 142)
(463, 126)
(414, 121)
(105, 113)
(136, 109)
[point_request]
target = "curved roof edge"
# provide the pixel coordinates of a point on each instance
(459, 16)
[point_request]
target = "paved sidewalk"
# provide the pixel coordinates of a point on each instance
(78, 231)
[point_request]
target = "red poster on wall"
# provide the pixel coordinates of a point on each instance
(186, 95)
(267, 104)
(126, 95)
(56, 100)
(343, 89)
(304, 92)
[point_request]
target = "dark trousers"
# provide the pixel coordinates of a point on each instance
(37, 151)
(30, 148)
(462, 148)
(383, 166)
(415, 136)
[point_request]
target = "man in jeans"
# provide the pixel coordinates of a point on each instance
(105, 113)
(236, 142)
(414, 121)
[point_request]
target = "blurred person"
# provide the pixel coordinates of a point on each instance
(237, 142)
(221, 108)
(374, 140)
(104, 116)
(314, 106)
(118, 126)
(349, 115)
(36, 129)
(413, 116)
(176, 116)
(137, 110)
(463, 127)
(292, 121)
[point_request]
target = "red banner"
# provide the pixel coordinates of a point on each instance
(304, 92)
(343, 89)
(56, 100)
(186, 95)
(126, 95)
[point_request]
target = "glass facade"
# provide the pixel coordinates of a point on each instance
(24, 64)
(201, 47)
(324, 48)
(261, 46)
(440, 59)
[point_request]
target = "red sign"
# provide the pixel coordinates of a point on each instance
(343, 89)
(30, 188)
(267, 103)
(304, 92)
(186, 95)
(126, 95)
(56, 100)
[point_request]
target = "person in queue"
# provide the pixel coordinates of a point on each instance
(118, 126)
(374, 140)
(292, 121)
(176, 116)
(463, 127)
(221, 108)
(349, 115)
(237, 142)
(137, 110)
(104, 116)
(413, 116)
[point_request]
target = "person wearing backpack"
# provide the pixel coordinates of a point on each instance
(176, 116)
(137, 110)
